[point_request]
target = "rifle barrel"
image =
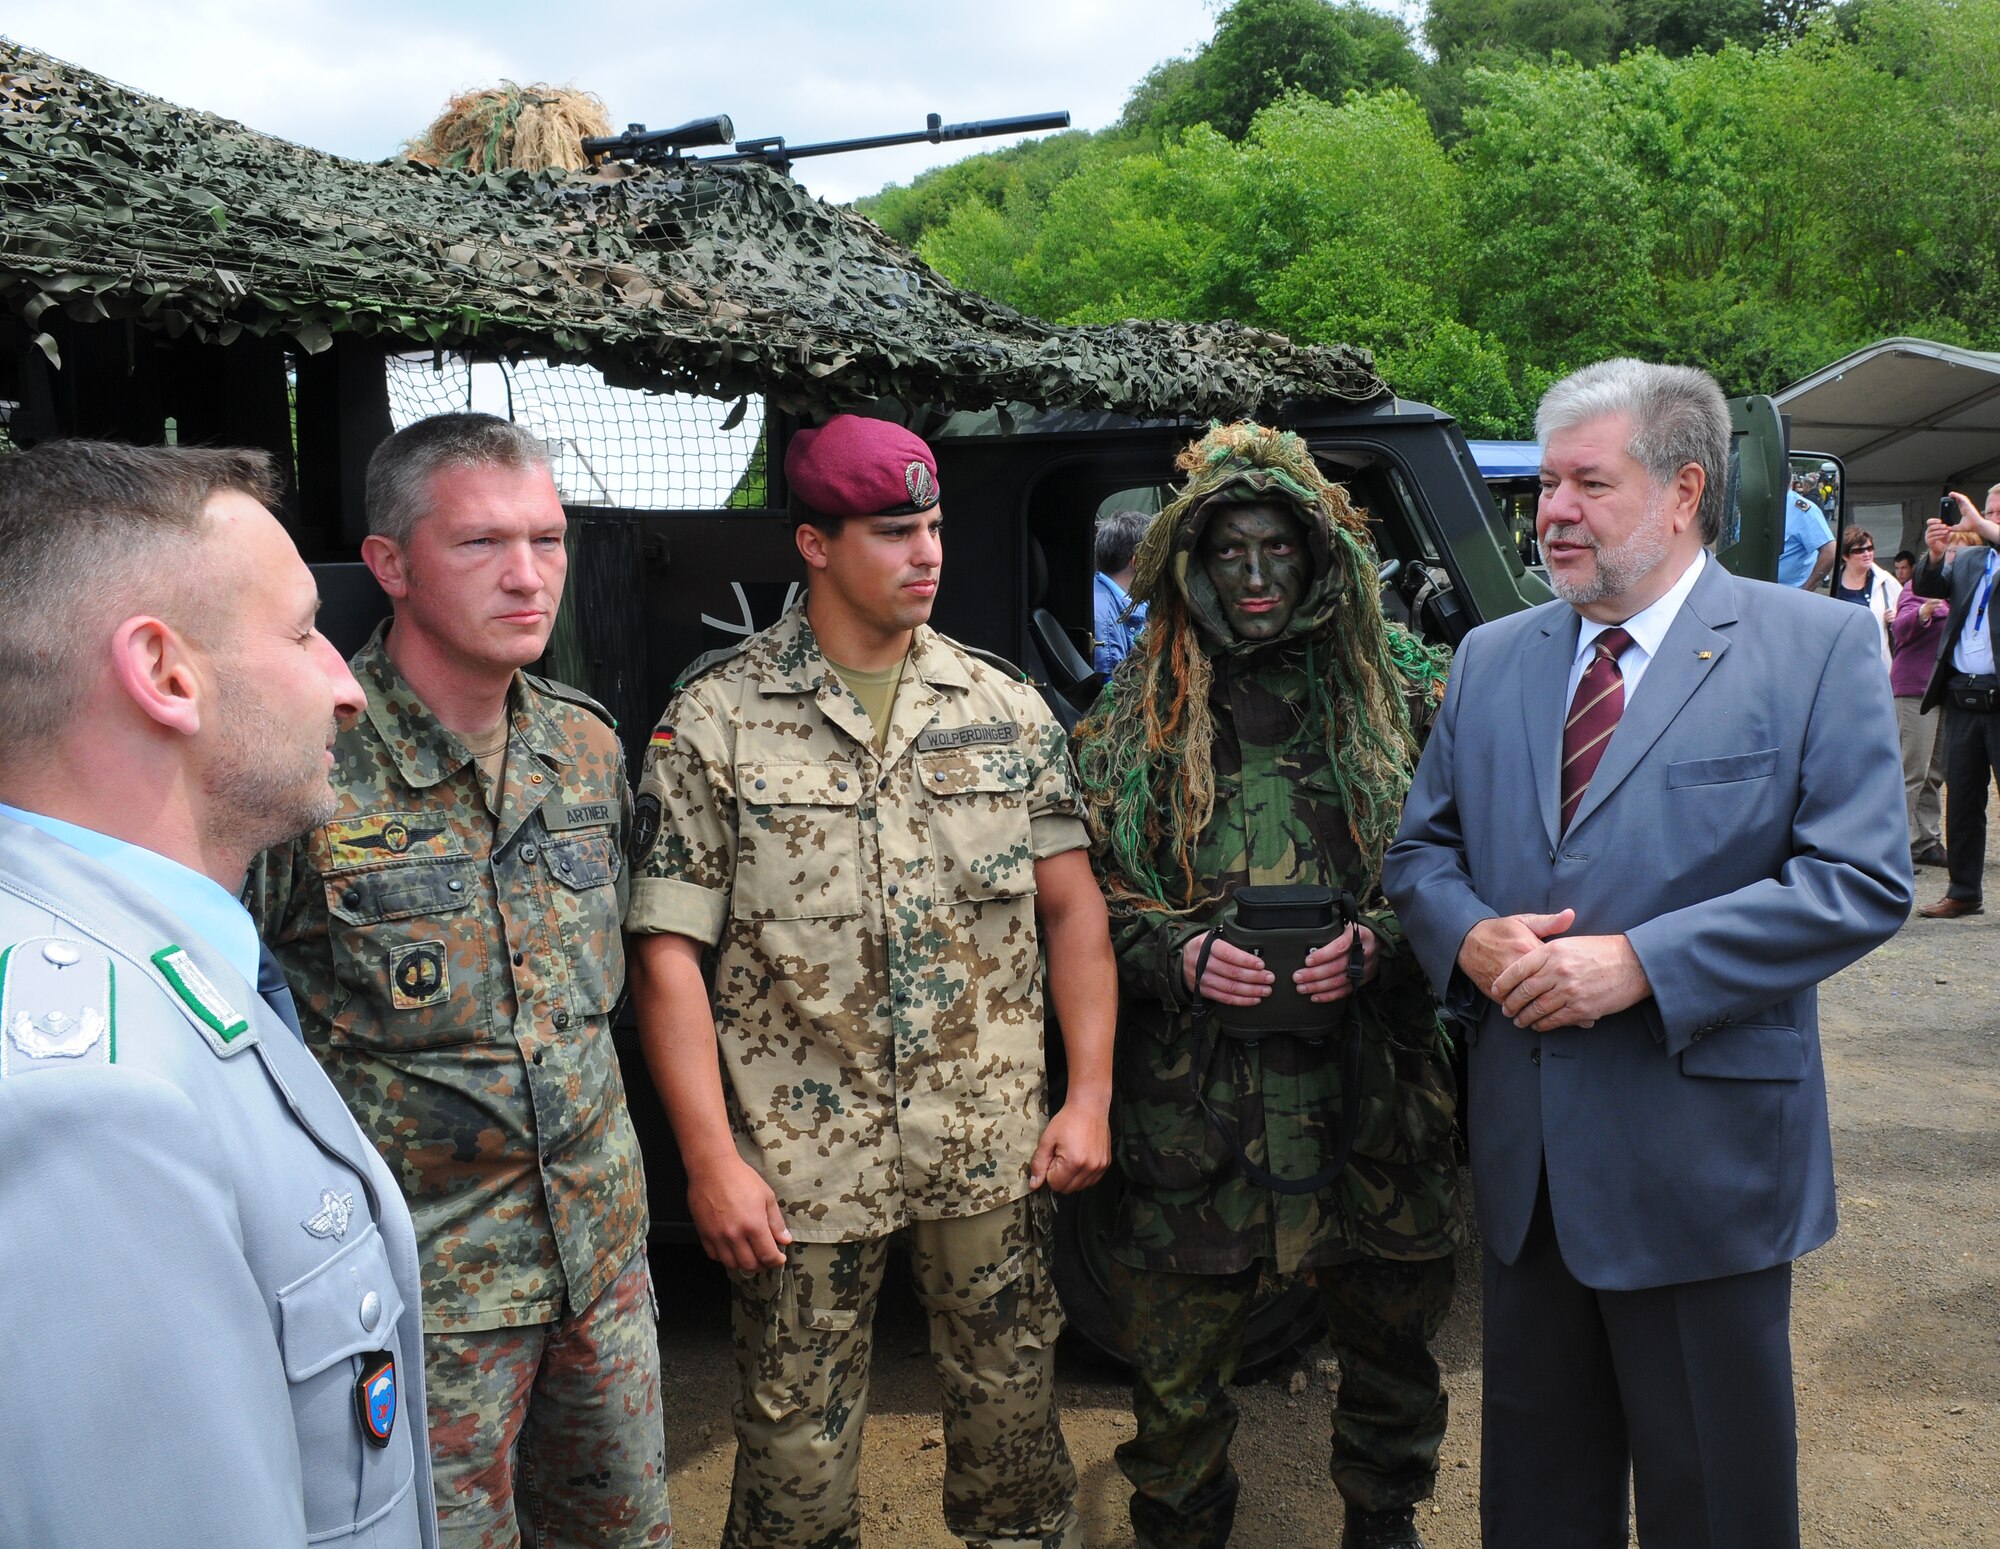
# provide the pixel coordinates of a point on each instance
(936, 134)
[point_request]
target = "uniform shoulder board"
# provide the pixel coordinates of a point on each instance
(708, 661)
(58, 1005)
(572, 696)
(1012, 673)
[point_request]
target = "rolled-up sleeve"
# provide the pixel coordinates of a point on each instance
(1055, 815)
(682, 878)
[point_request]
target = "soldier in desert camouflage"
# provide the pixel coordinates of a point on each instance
(453, 939)
(869, 834)
(1261, 733)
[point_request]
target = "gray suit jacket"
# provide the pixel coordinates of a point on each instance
(1745, 831)
(200, 1248)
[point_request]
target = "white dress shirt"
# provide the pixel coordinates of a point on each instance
(1648, 627)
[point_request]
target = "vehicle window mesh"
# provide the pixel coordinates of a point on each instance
(609, 446)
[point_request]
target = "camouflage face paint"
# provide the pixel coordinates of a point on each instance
(1256, 557)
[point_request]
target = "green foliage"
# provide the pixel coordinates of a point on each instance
(1729, 194)
(1265, 48)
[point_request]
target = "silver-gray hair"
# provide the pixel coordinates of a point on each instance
(400, 472)
(1678, 417)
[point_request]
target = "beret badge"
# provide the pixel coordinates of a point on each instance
(917, 479)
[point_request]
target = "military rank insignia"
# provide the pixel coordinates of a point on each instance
(375, 1397)
(56, 1004)
(418, 975)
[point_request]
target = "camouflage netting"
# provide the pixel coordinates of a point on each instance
(717, 280)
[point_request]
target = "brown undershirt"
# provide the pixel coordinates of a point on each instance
(876, 691)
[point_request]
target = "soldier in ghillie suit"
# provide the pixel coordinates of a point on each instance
(1261, 733)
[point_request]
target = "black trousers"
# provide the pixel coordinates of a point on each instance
(1689, 1387)
(1971, 758)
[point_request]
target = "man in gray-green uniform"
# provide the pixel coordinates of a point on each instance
(869, 834)
(453, 938)
(1260, 734)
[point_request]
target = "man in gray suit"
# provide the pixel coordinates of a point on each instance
(1651, 817)
(1965, 684)
(213, 1320)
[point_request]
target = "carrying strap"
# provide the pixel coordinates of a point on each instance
(1350, 1074)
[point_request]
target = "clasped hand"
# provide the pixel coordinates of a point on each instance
(1543, 979)
(1234, 977)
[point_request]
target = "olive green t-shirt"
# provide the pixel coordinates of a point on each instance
(876, 691)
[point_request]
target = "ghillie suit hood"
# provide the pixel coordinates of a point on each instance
(1144, 751)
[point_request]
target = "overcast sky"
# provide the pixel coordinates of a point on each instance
(358, 77)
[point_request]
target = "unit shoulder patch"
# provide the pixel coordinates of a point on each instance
(58, 1005)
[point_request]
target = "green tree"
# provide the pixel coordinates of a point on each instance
(1265, 48)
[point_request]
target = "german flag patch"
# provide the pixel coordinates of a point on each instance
(663, 737)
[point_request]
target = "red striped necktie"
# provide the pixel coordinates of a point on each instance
(1593, 717)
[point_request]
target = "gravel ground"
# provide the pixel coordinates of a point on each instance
(1895, 1329)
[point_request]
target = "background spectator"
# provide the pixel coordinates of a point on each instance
(1861, 580)
(1118, 619)
(1918, 628)
(1808, 552)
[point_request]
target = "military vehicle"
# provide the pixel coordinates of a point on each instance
(169, 275)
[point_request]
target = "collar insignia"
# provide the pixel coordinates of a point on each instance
(199, 994)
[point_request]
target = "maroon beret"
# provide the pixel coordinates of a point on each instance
(852, 466)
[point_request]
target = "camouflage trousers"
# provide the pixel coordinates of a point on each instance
(1184, 1334)
(804, 1336)
(550, 1435)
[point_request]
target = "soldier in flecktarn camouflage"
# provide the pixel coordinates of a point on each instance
(867, 835)
(1263, 732)
(452, 936)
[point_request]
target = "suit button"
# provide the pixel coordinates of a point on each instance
(455, 885)
(529, 852)
(840, 785)
(371, 1312)
(351, 898)
(1535, 1054)
(760, 785)
(562, 1019)
(538, 1056)
(519, 959)
(892, 890)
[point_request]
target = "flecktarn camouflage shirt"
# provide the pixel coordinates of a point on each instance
(455, 973)
(878, 998)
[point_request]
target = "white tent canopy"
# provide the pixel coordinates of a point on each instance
(1909, 417)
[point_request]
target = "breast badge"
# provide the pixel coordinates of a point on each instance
(330, 1220)
(418, 975)
(375, 1397)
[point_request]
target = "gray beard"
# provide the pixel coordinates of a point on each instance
(1618, 569)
